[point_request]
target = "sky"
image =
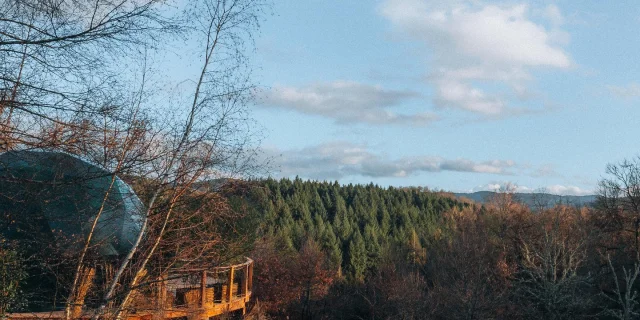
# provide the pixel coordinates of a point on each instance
(453, 95)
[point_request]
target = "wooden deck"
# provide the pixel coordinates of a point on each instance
(194, 295)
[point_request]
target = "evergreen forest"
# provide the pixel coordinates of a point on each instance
(330, 251)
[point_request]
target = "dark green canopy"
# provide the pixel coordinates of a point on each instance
(55, 197)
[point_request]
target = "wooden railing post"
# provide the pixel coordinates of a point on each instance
(162, 292)
(246, 281)
(203, 289)
(230, 284)
(250, 276)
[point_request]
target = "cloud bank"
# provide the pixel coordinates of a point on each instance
(341, 159)
(346, 102)
(551, 189)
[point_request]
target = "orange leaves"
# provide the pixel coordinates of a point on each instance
(286, 279)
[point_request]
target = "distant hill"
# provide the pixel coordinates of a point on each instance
(534, 199)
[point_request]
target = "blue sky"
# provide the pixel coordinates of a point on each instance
(454, 95)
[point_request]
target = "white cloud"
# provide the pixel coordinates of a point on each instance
(346, 102)
(568, 190)
(341, 159)
(551, 189)
(629, 91)
(476, 43)
(455, 93)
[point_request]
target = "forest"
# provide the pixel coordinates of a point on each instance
(323, 250)
(331, 251)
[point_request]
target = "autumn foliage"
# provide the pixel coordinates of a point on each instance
(411, 254)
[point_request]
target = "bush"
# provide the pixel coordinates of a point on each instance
(11, 276)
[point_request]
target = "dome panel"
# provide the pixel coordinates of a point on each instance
(58, 196)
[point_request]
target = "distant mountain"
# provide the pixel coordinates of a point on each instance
(533, 199)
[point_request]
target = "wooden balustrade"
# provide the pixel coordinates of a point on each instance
(194, 295)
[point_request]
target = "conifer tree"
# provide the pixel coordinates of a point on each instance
(331, 245)
(371, 244)
(317, 207)
(357, 257)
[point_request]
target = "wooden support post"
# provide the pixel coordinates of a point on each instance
(230, 285)
(246, 281)
(162, 293)
(250, 276)
(203, 289)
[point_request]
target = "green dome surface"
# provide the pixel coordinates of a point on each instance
(53, 196)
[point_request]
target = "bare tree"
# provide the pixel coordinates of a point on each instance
(550, 277)
(504, 199)
(60, 59)
(464, 290)
(625, 297)
(619, 199)
(60, 89)
(540, 200)
(619, 206)
(207, 142)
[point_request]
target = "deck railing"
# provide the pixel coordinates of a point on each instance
(190, 294)
(203, 288)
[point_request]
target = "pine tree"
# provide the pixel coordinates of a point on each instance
(384, 219)
(317, 207)
(331, 245)
(372, 245)
(341, 221)
(357, 257)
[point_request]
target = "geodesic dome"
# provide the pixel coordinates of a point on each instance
(55, 196)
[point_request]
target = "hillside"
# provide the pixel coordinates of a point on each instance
(532, 200)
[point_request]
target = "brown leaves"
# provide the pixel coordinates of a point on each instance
(286, 279)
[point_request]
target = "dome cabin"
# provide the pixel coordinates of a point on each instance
(48, 203)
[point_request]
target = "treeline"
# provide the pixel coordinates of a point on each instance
(319, 236)
(352, 223)
(327, 251)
